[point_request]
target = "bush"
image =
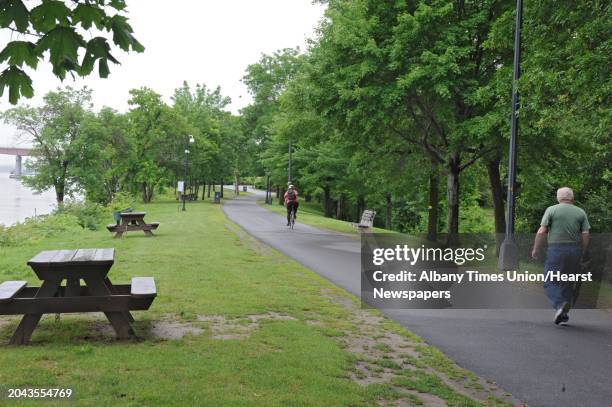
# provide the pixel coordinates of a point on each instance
(88, 215)
(121, 201)
(36, 229)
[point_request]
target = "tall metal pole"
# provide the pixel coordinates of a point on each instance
(508, 254)
(289, 167)
(185, 178)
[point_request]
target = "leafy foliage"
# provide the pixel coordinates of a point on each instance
(57, 29)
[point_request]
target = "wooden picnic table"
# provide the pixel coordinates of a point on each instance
(98, 294)
(131, 221)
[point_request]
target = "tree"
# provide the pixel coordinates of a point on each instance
(157, 134)
(267, 80)
(61, 145)
(107, 174)
(58, 28)
(413, 71)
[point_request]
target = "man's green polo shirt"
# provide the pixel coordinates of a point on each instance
(565, 223)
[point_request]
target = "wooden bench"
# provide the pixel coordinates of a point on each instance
(367, 220)
(143, 287)
(9, 289)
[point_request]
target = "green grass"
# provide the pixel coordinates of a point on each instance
(311, 214)
(203, 265)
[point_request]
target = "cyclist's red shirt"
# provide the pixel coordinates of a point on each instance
(287, 200)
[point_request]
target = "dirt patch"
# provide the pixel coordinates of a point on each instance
(238, 328)
(174, 330)
(383, 356)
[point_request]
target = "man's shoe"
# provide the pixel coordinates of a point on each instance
(561, 314)
(287, 223)
(565, 320)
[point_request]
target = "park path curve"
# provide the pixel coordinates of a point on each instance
(521, 350)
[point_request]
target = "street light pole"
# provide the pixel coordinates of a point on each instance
(289, 167)
(508, 253)
(190, 140)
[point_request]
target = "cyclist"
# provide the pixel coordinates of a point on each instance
(291, 202)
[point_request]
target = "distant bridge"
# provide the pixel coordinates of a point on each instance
(18, 152)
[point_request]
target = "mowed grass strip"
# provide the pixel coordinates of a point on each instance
(205, 272)
(311, 214)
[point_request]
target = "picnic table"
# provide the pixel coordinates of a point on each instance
(131, 221)
(98, 294)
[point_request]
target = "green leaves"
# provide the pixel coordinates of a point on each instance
(63, 44)
(122, 34)
(19, 52)
(49, 14)
(18, 82)
(97, 50)
(56, 28)
(13, 11)
(87, 15)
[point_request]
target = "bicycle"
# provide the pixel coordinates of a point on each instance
(292, 218)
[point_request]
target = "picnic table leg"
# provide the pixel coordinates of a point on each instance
(120, 228)
(112, 289)
(28, 323)
(73, 287)
(147, 232)
(118, 320)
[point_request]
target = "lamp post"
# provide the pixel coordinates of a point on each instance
(508, 253)
(190, 140)
(289, 166)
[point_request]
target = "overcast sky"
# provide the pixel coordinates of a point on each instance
(201, 41)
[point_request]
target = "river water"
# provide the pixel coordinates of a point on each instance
(18, 202)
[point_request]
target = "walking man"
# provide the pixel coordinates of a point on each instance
(567, 229)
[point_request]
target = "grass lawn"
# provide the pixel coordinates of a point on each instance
(235, 323)
(311, 214)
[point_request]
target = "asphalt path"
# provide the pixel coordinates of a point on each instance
(520, 349)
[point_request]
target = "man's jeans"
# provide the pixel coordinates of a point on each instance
(564, 257)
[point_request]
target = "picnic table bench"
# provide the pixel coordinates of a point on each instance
(367, 220)
(98, 294)
(131, 221)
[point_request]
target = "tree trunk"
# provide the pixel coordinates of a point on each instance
(360, 206)
(497, 193)
(221, 188)
(147, 192)
(237, 187)
(340, 207)
(203, 189)
(280, 195)
(452, 197)
(388, 212)
(434, 202)
(327, 202)
(60, 186)
(59, 194)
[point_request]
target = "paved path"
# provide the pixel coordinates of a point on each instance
(521, 350)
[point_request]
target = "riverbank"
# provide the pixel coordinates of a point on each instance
(235, 322)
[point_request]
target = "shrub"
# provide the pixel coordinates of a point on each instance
(122, 200)
(88, 215)
(36, 229)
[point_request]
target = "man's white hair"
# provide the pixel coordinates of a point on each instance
(565, 194)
